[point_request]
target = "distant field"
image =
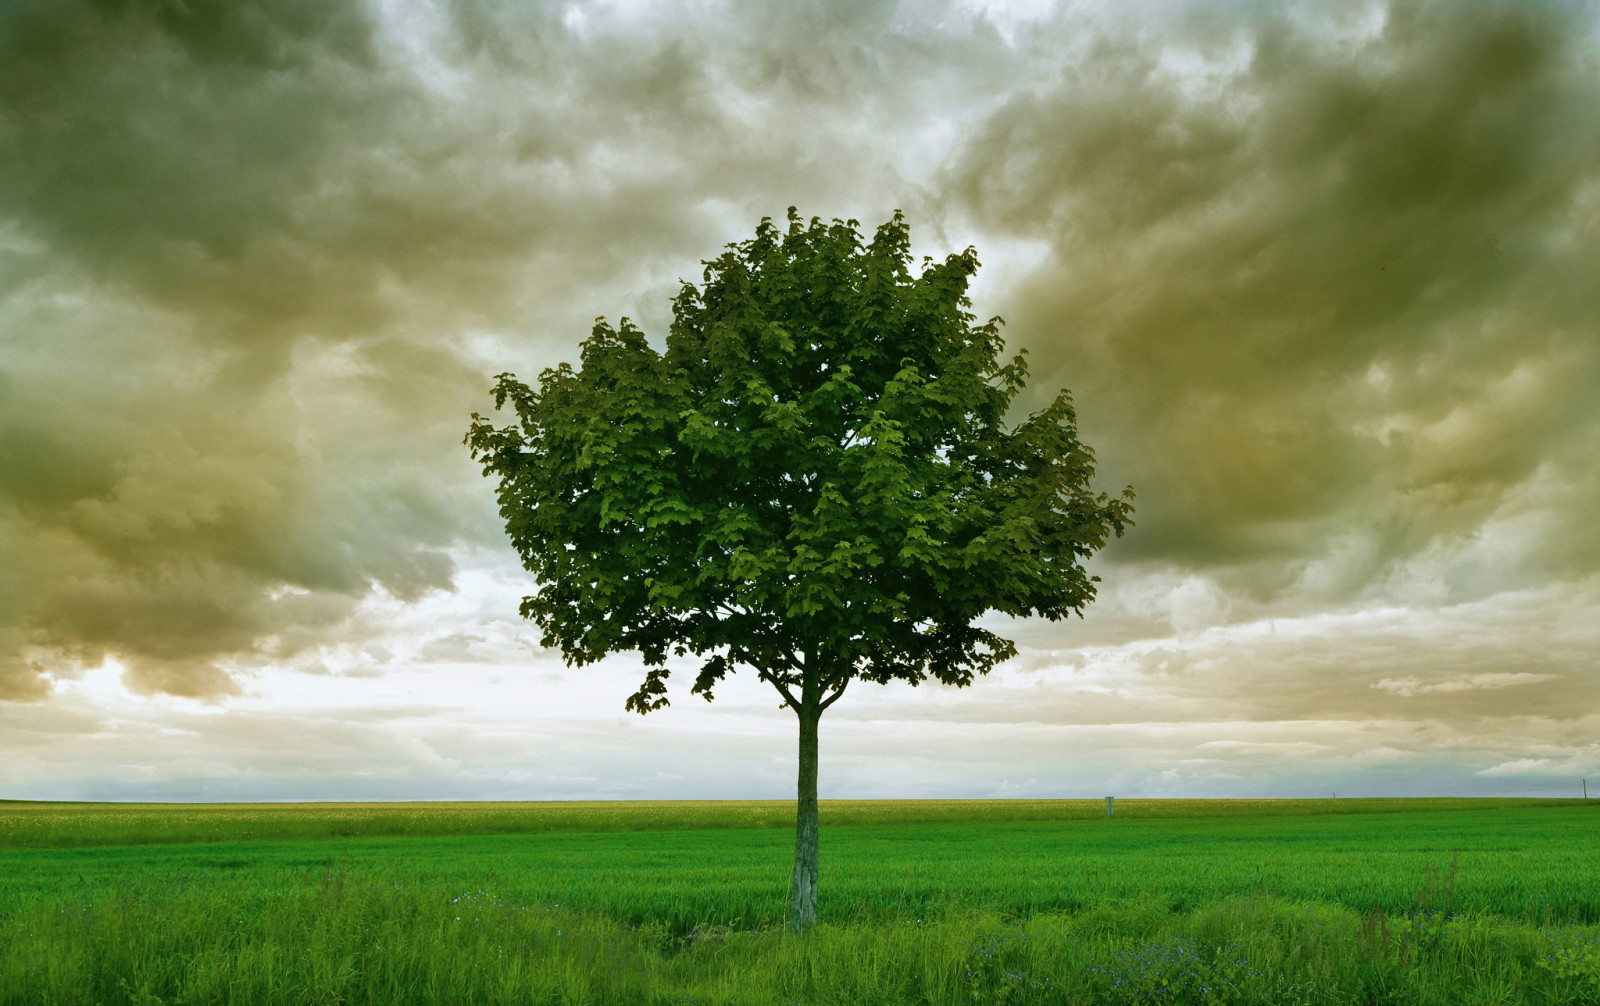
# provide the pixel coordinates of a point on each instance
(922, 901)
(34, 825)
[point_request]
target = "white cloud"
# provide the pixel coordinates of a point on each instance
(1521, 766)
(1412, 685)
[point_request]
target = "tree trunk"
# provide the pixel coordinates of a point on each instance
(803, 885)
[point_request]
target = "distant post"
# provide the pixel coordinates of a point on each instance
(1110, 798)
(1586, 789)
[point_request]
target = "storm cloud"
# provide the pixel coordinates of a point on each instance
(1323, 292)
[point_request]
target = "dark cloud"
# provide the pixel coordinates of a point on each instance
(258, 259)
(170, 146)
(175, 517)
(1317, 279)
(166, 498)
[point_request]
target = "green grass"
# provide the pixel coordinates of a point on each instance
(939, 902)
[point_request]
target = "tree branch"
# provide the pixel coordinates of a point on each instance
(783, 690)
(830, 700)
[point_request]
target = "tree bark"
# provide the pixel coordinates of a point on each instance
(803, 885)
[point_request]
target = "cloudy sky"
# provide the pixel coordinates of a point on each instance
(1321, 276)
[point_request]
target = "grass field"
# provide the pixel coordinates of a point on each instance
(1322, 901)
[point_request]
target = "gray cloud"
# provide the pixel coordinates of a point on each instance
(260, 259)
(1314, 283)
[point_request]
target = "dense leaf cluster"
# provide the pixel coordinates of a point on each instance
(815, 479)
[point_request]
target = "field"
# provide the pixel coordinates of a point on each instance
(1319, 901)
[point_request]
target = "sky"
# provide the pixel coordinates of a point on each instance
(1320, 276)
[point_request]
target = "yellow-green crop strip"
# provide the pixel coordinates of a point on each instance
(923, 901)
(25, 824)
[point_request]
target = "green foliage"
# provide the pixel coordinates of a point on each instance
(1573, 956)
(816, 479)
(1177, 969)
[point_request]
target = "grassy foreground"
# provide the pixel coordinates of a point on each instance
(923, 902)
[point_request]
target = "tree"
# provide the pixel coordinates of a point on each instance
(815, 481)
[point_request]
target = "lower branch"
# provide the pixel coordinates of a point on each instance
(834, 696)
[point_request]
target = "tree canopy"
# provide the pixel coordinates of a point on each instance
(818, 469)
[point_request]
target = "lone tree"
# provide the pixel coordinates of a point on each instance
(816, 480)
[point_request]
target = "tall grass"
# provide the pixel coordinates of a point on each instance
(1284, 908)
(355, 938)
